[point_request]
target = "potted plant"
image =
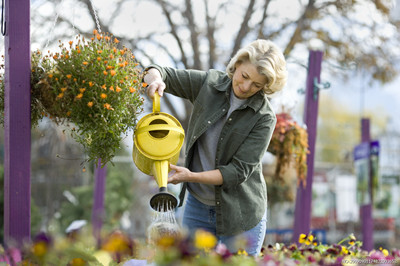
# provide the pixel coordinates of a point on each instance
(92, 86)
(289, 144)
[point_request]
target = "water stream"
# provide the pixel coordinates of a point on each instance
(163, 224)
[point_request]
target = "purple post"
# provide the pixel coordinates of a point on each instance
(98, 199)
(367, 224)
(17, 123)
(302, 215)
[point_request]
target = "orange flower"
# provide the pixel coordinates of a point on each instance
(105, 73)
(111, 88)
(69, 76)
(99, 58)
(70, 43)
(118, 89)
(121, 81)
(50, 75)
(108, 67)
(105, 62)
(111, 56)
(66, 56)
(68, 113)
(85, 63)
(98, 36)
(79, 96)
(121, 65)
(99, 51)
(59, 96)
(63, 89)
(104, 86)
(132, 89)
(91, 84)
(115, 50)
(126, 63)
(107, 38)
(108, 106)
(55, 56)
(90, 104)
(82, 90)
(116, 40)
(75, 79)
(112, 72)
(144, 84)
(78, 51)
(103, 95)
(95, 32)
(122, 52)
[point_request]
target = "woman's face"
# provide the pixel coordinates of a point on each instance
(246, 80)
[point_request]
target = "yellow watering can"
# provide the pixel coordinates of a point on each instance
(158, 139)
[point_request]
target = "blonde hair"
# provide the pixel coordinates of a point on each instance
(268, 59)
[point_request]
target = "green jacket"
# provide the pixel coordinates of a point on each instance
(241, 200)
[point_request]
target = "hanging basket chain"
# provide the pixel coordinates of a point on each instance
(95, 17)
(53, 26)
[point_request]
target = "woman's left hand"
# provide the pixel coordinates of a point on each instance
(182, 174)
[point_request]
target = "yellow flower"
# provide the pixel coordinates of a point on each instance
(204, 240)
(90, 104)
(103, 95)
(77, 262)
(39, 249)
(344, 250)
(242, 252)
(302, 238)
(384, 251)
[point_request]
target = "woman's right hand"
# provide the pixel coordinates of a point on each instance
(155, 82)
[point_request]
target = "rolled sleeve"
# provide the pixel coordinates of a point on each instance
(248, 157)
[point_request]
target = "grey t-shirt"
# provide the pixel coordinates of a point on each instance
(205, 151)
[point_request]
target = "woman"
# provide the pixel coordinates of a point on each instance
(229, 131)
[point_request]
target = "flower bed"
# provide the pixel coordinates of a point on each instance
(92, 86)
(118, 248)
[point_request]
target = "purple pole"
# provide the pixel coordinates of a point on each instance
(302, 215)
(98, 200)
(17, 123)
(367, 224)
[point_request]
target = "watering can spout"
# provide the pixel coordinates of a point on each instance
(162, 201)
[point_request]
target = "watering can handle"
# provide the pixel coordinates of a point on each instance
(159, 127)
(156, 102)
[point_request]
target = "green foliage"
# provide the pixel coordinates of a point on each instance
(118, 198)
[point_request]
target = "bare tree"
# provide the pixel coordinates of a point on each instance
(196, 31)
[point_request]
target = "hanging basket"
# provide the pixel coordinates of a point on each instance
(93, 87)
(289, 144)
